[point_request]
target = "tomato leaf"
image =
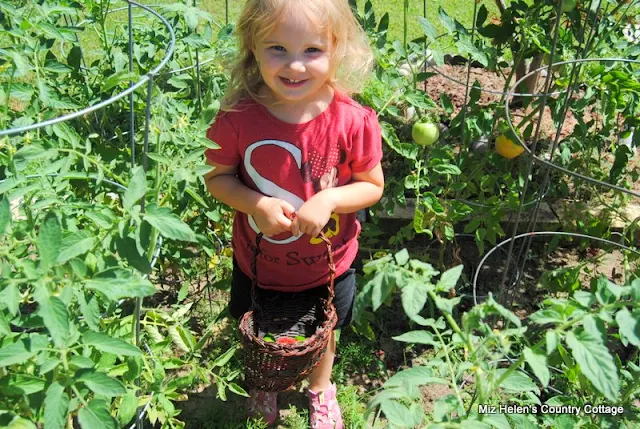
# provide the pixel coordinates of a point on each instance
(49, 240)
(414, 297)
(21, 423)
(101, 383)
(449, 279)
(169, 224)
(127, 250)
(595, 361)
(136, 189)
(417, 337)
(123, 285)
(106, 343)
(55, 315)
(418, 375)
(516, 382)
(428, 28)
(21, 385)
(22, 350)
(538, 363)
(382, 285)
(629, 325)
(128, 407)
(396, 413)
(5, 215)
(75, 244)
(56, 404)
(96, 416)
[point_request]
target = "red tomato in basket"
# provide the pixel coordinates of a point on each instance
(286, 340)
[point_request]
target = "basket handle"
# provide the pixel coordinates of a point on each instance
(332, 270)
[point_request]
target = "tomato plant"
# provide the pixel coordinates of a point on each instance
(561, 354)
(82, 233)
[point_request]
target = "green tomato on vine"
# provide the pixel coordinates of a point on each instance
(425, 132)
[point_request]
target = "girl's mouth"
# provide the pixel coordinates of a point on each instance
(292, 83)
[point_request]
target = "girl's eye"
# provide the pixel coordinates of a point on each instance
(279, 48)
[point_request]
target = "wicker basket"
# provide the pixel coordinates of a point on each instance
(275, 367)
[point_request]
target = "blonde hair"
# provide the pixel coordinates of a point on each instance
(352, 58)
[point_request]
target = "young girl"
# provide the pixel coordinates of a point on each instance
(297, 156)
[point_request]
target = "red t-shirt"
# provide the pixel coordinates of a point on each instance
(293, 162)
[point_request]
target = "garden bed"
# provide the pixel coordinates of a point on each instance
(492, 84)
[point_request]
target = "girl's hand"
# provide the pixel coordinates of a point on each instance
(314, 214)
(273, 216)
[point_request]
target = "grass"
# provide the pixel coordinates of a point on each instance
(218, 10)
(352, 407)
(462, 10)
(296, 419)
(355, 356)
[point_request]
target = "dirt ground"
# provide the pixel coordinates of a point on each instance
(491, 83)
(451, 80)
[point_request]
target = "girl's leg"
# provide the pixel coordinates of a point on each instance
(323, 404)
(345, 290)
(320, 378)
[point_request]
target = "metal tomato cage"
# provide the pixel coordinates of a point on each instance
(148, 80)
(549, 165)
(513, 280)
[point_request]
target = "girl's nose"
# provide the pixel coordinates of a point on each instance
(297, 65)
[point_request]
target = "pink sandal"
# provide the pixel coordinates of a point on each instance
(263, 404)
(324, 409)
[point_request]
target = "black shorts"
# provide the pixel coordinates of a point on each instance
(344, 288)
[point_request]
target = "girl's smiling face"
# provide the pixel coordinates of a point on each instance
(295, 59)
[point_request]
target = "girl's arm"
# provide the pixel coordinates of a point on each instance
(272, 215)
(364, 191)
(223, 183)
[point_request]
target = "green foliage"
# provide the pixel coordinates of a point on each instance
(351, 407)
(560, 354)
(80, 229)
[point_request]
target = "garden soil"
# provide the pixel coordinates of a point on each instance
(445, 82)
(451, 80)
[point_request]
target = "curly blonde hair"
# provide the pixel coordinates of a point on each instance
(352, 59)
